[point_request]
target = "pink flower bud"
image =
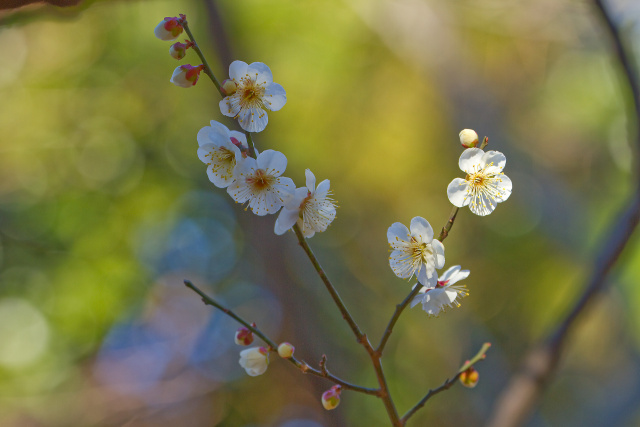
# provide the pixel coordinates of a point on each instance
(469, 378)
(169, 28)
(229, 87)
(331, 397)
(244, 336)
(186, 75)
(285, 350)
(178, 50)
(468, 138)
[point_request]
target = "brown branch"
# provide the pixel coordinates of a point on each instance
(525, 388)
(323, 372)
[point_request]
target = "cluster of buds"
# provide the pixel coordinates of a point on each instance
(170, 28)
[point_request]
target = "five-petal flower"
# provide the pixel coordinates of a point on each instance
(415, 251)
(484, 186)
(312, 208)
(255, 92)
(258, 182)
(218, 148)
(445, 293)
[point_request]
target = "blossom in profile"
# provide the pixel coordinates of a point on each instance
(179, 50)
(446, 293)
(169, 28)
(484, 186)
(312, 208)
(255, 92)
(254, 360)
(415, 252)
(258, 182)
(220, 148)
(186, 75)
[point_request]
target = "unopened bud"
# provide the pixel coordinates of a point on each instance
(178, 50)
(244, 336)
(169, 28)
(285, 350)
(469, 378)
(229, 87)
(331, 397)
(468, 138)
(186, 75)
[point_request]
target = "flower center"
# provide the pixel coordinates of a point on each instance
(251, 93)
(260, 180)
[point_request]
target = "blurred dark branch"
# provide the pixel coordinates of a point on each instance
(219, 34)
(14, 4)
(521, 394)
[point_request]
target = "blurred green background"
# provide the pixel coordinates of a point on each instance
(105, 209)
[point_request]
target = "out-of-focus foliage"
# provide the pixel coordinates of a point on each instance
(105, 208)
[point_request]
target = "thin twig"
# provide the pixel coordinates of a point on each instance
(304, 367)
(448, 383)
(360, 337)
(525, 388)
(207, 69)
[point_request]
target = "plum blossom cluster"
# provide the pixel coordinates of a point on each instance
(256, 180)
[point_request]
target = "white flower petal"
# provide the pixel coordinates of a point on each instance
(311, 180)
(294, 202)
(286, 189)
(458, 191)
(253, 119)
(241, 137)
(427, 277)
(504, 188)
(275, 97)
(273, 162)
(323, 188)
(237, 70)
(482, 204)
(447, 275)
(496, 158)
(438, 252)
(470, 160)
(229, 106)
(261, 73)
(286, 220)
(397, 232)
(421, 228)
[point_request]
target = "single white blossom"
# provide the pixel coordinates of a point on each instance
(484, 186)
(219, 148)
(254, 360)
(255, 92)
(258, 182)
(445, 294)
(415, 251)
(312, 208)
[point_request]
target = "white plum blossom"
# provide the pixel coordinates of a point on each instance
(218, 148)
(484, 186)
(258, 182)
(415, 251)
(312, 208)
(445, 294)
(254, 360)
(255, 92)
